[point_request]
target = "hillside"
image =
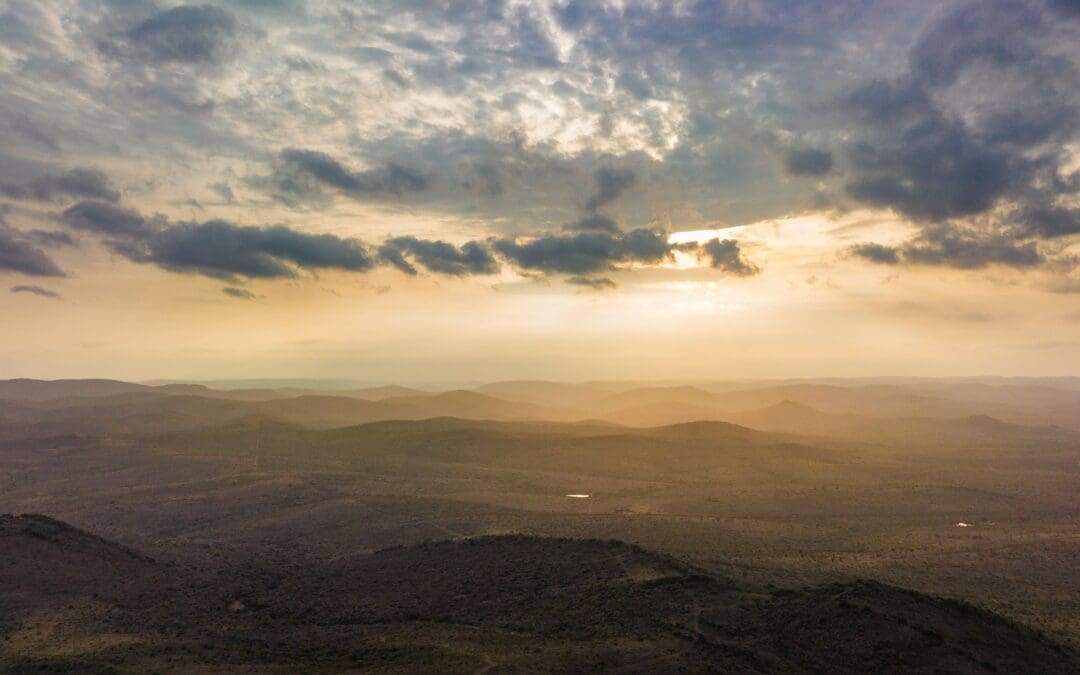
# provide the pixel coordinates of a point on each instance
(458, 606)
(145, 411)
(45, 562)
(43, 390)
(548, 394)
(980, 431)
(696, 452)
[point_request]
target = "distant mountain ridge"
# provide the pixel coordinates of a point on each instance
(1022, 404)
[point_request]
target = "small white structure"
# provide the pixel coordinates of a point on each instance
(963, 525)
(582, 495)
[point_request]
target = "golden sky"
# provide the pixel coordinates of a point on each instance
(464, 191)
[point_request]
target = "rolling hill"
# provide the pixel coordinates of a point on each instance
(909, 432)
(514, 603)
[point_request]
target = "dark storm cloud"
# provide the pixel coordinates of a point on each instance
(50, 239)
(937, 170)
(595, 283)
(438, 256)
(969, 249)
(586, 253)
(808, 162)
(108, 219)
(937, 149)
(726, 255)
(1069, 8)
(1030, 126)
(78, 183)
(223, 190)
(880, 102)
(954, 246)
(17, 254)
(238, 293)
(610, 183)
(978, 32)
(487, 181)
(878, 253)
(645, 245)
(35, 290)
(216, 248)
(983, 170)
(225, 250)
(187, 34)
(1050, 221)
(595, 222)
(221, 249)
(301, 176)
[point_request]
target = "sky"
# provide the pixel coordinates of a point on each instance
(469, 190)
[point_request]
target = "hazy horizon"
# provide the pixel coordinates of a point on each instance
(341, 383)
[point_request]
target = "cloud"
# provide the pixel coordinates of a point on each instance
(1050, 221)
(78, 183)
(108, 219)
(951, 245)
(535, 121)
(595, 283)
(969, 249)
(808, 162)
(881, 101)
(586, 253)
(486, 182)
(1070, 8)
(938, 146)
(35, 290)
(225, 250)
(25, 126)
(878, 253)
(596, 222)
(216, 248)
(19, 255)
(531, 46)
(610, 183)
(301, 175)
(438, 256)
(186, 34)
(478, 74)
(937, 170)
(239, 293)
(50, 238)
(223, 190)
(304, 64)
(726, 255)
(977, 33)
